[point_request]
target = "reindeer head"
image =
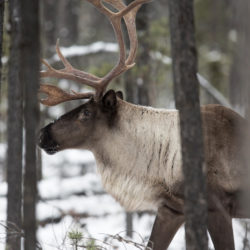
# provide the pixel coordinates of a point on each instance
(83, 126)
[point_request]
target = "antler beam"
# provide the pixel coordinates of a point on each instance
(57, 95)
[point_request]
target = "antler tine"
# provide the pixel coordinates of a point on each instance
(65, 62)
(128, 13)
(57, 95)
(69, 72)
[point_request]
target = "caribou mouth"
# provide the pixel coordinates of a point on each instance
(46, 141)
(51, 151)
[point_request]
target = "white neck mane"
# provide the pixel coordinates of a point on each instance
(140, 152)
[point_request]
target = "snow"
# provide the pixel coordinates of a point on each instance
(69, 162)
(163, 58)
(75, 50)
(56, 187)
(4, 59)
(3, 189)
(2, 150)
(214, 56)
(81, 205)
(232, 35)
(213, 91)
(73, 200)
(100, 46)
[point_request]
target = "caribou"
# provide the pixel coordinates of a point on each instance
(137, 149)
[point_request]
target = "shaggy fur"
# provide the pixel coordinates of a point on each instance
(138, 155)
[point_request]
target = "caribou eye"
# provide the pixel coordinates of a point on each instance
(86, 113)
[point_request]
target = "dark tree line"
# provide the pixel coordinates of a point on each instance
(23, 83)
(22, 103)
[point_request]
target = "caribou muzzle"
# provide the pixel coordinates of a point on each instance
(46, 141)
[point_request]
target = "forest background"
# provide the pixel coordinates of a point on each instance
(87, 39)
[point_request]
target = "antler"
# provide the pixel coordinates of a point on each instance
(128, 13)
(57, 95)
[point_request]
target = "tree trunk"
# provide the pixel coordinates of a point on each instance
(138, 85)
(15, 130)
(144, 81)
(186, 90)
(1, 38)
(240, 73)
(30, 62)
(60, 21)
(49, 25)
(67, 23)
(240, 86)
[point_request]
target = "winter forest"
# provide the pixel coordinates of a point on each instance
(106, 143)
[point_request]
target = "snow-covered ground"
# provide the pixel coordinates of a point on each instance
(72, 198)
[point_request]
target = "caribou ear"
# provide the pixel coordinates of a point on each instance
(109, 100)
(119, 94)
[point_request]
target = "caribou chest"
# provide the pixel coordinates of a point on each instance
(135, 161)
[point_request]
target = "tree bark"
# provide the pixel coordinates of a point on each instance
(15, 130)
(138, 85)
(144, 83)
(240, 84)
(1, 38)
(186, 90)
(49, 25)
(240, 74)
(60, 21)
(30, 61)
(67, 23)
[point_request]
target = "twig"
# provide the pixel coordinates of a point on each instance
(119, 238)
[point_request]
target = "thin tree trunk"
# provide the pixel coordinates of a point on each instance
(240, 73)
(240, 88)
(30, 61)
(129, 224)
(186, 90)
(49, 25)
(144, 82)
(138, 85)
(1, 38)
(67, 21)
(15, 130)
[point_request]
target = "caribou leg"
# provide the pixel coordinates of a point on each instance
(221, 230)
(165, 226)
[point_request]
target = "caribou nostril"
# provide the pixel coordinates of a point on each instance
(40, 138)
(46, 141)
